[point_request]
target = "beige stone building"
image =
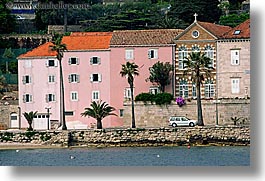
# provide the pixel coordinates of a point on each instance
(233, 62)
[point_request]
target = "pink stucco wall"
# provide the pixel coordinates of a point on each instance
(38, 88)
(226, 71)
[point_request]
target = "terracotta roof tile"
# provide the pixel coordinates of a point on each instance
(43, 50)
(215, 29)
(240, 31)
(87, 40)
(144, 37)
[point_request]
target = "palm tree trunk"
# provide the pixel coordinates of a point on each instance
(132, 99)
(30, 127)
(62, 97)
(99, 124)
(199, 104)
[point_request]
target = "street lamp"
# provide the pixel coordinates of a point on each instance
(48, 115)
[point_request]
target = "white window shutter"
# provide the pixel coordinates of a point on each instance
(69, 61)
(149, 54)
(29, 79)
(56, 62)
(69, 78)
(91, 60)
(91, 77)
(24, 79)
(30, 98)
(24, 98)
(47, 63)
(77, 61)
(47, 97)
(77, 78)
(156, 54)
(53, 97)
(99, 77)
(99, 60)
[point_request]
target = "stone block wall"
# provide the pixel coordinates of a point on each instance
(150, 115)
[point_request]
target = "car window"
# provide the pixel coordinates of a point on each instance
(178, 119)
(184, 119)
(172, 119)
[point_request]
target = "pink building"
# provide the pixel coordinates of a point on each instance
(91, 68)
(233, 57)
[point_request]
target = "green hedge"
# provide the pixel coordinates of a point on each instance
(159, 99)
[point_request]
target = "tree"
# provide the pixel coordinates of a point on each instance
(129, 70)
(234, 19)
(30, 117)
(60, 48)
(99, 110)
(3, 83)
(199, 67)
(160, 74)
(8, 55)
(7, 21)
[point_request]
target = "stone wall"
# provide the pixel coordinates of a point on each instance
(211, 135)
(5, 112)
(148, 115)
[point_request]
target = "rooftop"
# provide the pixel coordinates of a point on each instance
(43, 50)
(215, 29)
(240, 31)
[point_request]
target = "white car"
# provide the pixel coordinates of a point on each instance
(175, 121)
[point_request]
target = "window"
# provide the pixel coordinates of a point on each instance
(121, 112)
(209, 53)
(195, 34)
(74, 96)
(195, 48)
(73, 78)
(154, 90)
(50, 97)
(234, 57)
(95, 96)
(127, 93)
(94, 60)
(237, 32)
(51, 78)
(73, 61)
(183, 89)
(51, 63)
(27, 63)
(27, 98)
(209, 89)
(129, 54)
(26, 79)
(95, 77)
(194, 90)
(235, 84)
(181, 56)
(153, 54)
(69, 113)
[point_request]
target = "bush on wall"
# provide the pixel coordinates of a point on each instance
(159, 99)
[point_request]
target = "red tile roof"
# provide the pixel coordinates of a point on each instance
(87, 40)
(144, 37)
(243, 31)
(43, 50)
(215, 29)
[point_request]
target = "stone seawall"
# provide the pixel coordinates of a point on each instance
(219, 136)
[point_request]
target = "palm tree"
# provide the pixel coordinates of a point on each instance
(60, 48)
(129, 70)
(99, 111)
(199, 66)
(29, 117)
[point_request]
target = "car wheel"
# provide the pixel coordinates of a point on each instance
(192, 124)
(174, 125)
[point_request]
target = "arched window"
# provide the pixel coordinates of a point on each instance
(183, 89)
(209, 89)
(183, 53)
(195, 48)
(209, 53)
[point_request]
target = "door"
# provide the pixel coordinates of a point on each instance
(14, 122)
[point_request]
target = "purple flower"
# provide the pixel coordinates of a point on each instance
(180, 101)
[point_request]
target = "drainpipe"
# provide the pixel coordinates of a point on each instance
(19, 117)
(174, 70)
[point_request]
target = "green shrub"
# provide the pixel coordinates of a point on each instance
(159, 99)
(145, 97)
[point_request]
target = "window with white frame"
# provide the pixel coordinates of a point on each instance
(153, 54)
(234, 57)
(183, 89)
(235, 85)
(195, 48)
(209, 89)
(26, 79)
(129, 54)
(95, 96)
(51, 63)
(127, 93)
(27, 98)
(194, 90)
(50, 97)
(95, 60)
(73, 61)
(73, 78)
(95, 78)
(154, 90)
(27, 64)
(209, 53)
(51, 78)
(182, 54)
(74, 96)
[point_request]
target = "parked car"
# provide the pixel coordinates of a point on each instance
(175, 121)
